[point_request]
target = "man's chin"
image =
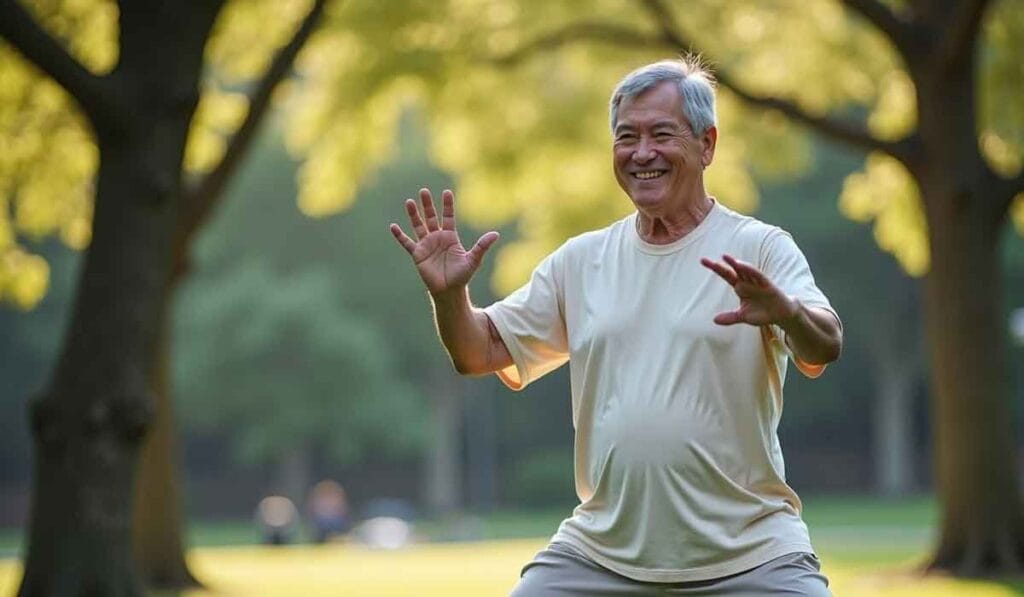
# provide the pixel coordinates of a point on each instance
(647, 199)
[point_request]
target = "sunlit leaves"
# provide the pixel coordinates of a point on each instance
(246, 34)
(218, 116)
(23, 277)
(895, 114)
(1017, 213)
(1001, 87)
(47, 163)
(47, 155)
(88, 28)
(884, 192)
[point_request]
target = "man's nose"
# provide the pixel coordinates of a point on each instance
(644, 151)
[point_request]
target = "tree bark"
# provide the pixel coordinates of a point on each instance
(982, 523)
(982, 530)
(158, 524)
(159, 544)
(88, 427)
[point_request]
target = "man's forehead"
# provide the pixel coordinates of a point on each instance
(661, 103)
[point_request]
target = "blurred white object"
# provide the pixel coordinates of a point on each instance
(384, 532)
(1017, 325)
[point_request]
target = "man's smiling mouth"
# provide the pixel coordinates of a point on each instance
(649, 174)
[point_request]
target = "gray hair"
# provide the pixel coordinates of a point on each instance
(694, 80)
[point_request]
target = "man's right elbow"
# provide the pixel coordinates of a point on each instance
(468, 367)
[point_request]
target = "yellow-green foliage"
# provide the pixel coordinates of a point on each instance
(527, 141)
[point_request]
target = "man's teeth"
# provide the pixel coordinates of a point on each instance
(648, 175)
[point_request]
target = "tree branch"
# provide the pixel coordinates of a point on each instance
(24, 34)
(200, 198)
(847, 132)
(899, 31)
(962, 26)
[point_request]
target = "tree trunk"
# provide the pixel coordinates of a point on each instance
(893, 445)
(896, 348)
(982, 525)
(158, 524)
(294, 476)
(444, 460)
(982, 529)
(88, 427)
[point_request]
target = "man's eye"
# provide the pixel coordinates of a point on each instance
(662, 135)
(626, 137)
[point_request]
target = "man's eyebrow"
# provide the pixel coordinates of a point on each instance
(624, 128)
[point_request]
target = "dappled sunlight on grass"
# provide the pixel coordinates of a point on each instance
(477, 569)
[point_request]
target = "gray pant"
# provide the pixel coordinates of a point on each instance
(562, 571)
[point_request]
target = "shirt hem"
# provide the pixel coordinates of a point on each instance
(730, 568)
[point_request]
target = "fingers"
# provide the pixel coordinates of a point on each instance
(406, 242)
(723, 272)
(414, 218)
(745, 271)
(481, 246)
(429, 215)
(447, 210)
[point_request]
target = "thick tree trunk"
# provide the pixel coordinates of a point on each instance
(158, 524)
(88, 427)
(982, 526)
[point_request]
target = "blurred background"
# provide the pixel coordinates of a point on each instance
(301, 345)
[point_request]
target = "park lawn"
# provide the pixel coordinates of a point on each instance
(868, 547)
(482, 568)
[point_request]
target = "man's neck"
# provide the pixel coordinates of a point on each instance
(665, 228)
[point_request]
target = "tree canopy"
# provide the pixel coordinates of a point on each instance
(515, 95)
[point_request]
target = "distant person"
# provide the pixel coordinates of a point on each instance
(676, 321)
(277, 519)
(328, 511)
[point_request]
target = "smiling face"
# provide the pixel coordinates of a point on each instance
(659, 162)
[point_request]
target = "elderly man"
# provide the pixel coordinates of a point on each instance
(677, 363)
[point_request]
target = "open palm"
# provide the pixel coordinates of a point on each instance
(761, 302)
(443, 262)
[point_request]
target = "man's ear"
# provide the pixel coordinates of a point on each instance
(708, 141)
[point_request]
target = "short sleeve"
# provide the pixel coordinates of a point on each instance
(531, 323)
(785, 265)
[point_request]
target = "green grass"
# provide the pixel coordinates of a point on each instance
(868, 547)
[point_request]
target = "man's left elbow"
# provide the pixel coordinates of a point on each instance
(834, 349)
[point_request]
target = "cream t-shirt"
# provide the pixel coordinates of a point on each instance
(679, 471)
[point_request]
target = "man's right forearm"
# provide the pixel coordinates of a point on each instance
(466, 334)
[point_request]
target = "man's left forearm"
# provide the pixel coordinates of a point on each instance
(813, 334)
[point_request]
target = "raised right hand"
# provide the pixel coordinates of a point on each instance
(443, 263)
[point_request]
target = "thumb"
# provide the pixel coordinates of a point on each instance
(482, 245)
(728, 318)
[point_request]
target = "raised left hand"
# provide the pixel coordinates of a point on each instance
(761, 302)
